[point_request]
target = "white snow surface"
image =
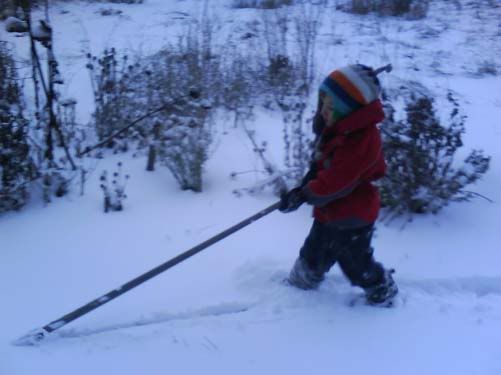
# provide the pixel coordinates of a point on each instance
(225, 310)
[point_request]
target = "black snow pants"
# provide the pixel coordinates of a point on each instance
(350, 248)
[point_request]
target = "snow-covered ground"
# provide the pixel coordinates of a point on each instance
(225, 310)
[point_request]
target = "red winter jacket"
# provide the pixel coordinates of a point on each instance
(350, 157)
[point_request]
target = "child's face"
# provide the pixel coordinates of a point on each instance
(326, 110)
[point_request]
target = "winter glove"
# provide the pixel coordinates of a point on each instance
(291, 200)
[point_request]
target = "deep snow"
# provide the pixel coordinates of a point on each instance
(225, 310)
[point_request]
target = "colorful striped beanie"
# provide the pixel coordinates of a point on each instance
(351, 88)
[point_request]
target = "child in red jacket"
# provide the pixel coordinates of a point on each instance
(348, 158)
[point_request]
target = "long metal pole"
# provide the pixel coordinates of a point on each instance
(37, 335)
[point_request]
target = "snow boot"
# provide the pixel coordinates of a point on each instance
(303, 277)
(383, 293)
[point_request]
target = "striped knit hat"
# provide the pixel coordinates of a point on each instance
(351, 88)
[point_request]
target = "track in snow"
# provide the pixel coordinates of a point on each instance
(335, 293)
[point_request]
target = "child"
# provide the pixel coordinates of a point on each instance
(348, 157)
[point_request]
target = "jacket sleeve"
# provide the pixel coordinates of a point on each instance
(310, 175)
(344, 174)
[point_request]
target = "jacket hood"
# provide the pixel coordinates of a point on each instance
(368, 115)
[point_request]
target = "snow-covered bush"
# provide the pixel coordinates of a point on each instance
(118, 1)
(15, 25)
(107, 1)
(260, 4)
(242, 89)
(16, 166)
(50, 150)
(187, 79)
(487, 68)
(105, 12)
(171, 92)
(7, 9)
(415, 9)
(422, 175)
(185, 149)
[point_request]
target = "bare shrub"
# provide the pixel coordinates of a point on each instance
(290, 76)
(114, 192)
(117, 86)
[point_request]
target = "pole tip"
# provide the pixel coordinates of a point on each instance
(32, 338)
